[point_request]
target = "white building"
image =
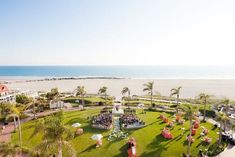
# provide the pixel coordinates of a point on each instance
(6, 95)
(57, 104)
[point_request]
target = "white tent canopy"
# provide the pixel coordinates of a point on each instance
(75, 125)
(97, 137)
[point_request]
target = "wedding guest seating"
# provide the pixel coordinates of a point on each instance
(131, 121)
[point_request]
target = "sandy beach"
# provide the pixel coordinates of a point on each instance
(190, 87)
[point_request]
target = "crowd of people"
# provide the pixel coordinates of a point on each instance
(131, 121)
(102, 121)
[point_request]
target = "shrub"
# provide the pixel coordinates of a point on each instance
(153, 104)
(209, 113)
(215, 149)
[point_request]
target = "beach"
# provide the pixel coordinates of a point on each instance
(190, 87)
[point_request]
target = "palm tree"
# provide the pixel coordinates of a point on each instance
(223, 119)
(15, 113)
(204, 99)
(80, 91)
(126, 90)
(55, 138)
(33, 106)
(149, 88)
(8, 149)
(226, 102)
(103, 91)
(53, 94)
(176, 91)
(190, 111)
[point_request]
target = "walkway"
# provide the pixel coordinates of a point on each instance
(229, 151)
(116, 124)
(6, 133)
(5, 136)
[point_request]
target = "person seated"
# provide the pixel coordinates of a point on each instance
(196, 125)
(207, 140)
(181, 121)
(177, 118)
(170, 124)
(205, 131)
(194, 131)
(190, 138)
(165, 120)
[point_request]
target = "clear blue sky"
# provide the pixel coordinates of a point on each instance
(117, 32)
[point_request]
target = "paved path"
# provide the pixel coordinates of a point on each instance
(228, 152)
(5, 136)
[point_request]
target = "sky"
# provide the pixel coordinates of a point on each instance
(117, 32)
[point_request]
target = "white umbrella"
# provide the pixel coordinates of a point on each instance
(140, 105)
(96, 137)
(75, 125)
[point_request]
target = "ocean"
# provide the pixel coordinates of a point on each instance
(164, 72)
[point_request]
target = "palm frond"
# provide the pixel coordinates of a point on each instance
(69, 148)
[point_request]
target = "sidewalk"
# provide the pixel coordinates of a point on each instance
(229, 151)
(6, 133)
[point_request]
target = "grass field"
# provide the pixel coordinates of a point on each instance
(150, 142)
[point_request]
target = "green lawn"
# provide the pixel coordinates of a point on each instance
(88, 100)
(150, 143)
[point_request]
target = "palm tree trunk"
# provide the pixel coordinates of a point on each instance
(227, 108)
(20, 132)
(220, 134)
(105, 98)
(60, 154)
(83, 102)
(14, 118)
(204, 116)
(177, 103)
(151, 98)
(224, 125)
(190, 134)
(34, 112)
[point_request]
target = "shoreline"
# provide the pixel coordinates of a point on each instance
(190, 87)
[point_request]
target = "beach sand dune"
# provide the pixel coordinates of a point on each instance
(190, 87)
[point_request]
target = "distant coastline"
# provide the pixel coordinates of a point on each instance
(12, 79)
(104, 72)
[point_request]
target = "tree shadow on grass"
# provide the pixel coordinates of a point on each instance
(185, 143)
(199, 144)
(123, 151)
(88, 129)
(76, 120)
(88, 149)
(150, 124)
(160, 141)
(177, 138)
(157, 152)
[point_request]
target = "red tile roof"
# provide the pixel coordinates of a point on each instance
(3, 88)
